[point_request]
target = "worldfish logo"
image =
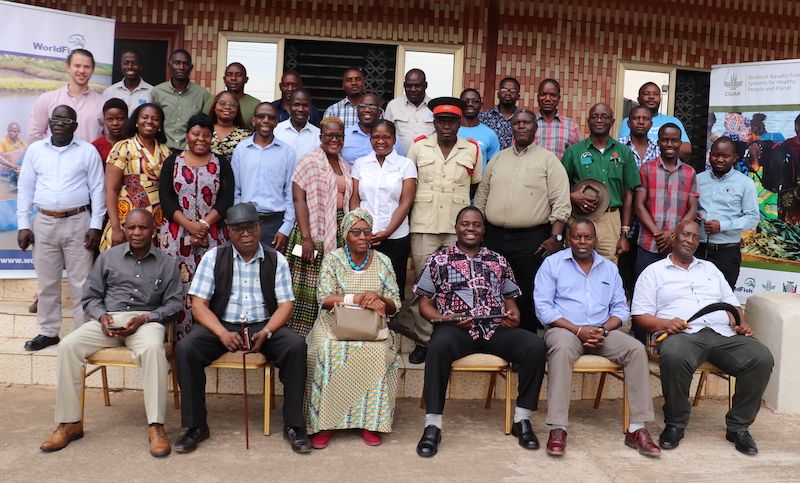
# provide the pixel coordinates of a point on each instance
(749, 285)
(77, 40)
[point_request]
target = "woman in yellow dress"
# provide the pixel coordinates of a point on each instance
(132, 171)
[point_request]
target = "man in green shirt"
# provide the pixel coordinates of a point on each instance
(235, 78)
(180, 98)
(601, 157)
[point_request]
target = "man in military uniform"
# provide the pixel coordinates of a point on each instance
(448, 172)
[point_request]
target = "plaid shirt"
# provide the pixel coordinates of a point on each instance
(556, 136)
(499, 124)
(668, 195)
(345, 111)
(653, 151)
(246, 286)
(458, 283)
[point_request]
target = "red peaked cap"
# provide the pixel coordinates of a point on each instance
(447, 106)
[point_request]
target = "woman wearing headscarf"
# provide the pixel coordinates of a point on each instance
(352, 384)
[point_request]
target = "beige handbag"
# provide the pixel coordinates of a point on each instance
(353, 322)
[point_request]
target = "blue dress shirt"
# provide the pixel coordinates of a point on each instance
(732, 200)
(357, 144)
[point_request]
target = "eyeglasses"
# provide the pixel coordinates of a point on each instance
(472, 101)
(65, 120)
(240, 229)
(231, 103)
(588, 238)
(371, 107)
(382, 138)
(356, 232)
(330, 137)
(261, 115)
(503, 90)
(600, 117)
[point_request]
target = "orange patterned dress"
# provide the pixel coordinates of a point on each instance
(140, 172)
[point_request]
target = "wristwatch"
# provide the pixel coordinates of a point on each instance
(605, 331)
(269, 333)
(557, 237)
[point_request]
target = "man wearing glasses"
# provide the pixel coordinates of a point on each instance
(297, 131)
(357, 137)
(448, 172)
(499, 117)
(410, 113)
(246, 278)
(262, 167)
(603, 158)
(63, 177)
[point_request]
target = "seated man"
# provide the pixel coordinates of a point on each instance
(250, 278)
(469, 279)
(131, 291)
(580, 300)
(667, 293)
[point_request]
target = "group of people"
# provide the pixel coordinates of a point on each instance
(209, 211)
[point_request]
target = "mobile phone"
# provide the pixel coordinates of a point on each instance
(115, 328)
(541, 254)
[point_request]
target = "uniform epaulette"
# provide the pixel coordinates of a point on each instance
(420, 138)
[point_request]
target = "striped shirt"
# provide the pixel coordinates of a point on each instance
(558, 135)
(246, 295)
(344, 110)
(668, 195)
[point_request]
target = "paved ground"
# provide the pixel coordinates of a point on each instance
(474, 447)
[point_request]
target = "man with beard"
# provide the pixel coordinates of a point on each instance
(498, 118)
(556, 131)
(410, 113)
(353, 85)
(471, 127)
(296, 131)
(132, 88)
(357, 137)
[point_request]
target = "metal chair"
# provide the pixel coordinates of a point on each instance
(233, 360)
(589, 363)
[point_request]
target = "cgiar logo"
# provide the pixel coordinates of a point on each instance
(733, 86)
(77, 41)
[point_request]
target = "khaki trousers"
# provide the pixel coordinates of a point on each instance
(58, 244)
(564, 348)
(422, 246)
(147, 350)
(607, 226)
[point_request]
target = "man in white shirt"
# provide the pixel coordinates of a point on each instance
(297, 131)
(667, 293)
(410, 113)
(63, 177)
(132, 88)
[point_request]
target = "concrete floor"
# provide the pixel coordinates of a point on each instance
(473, 448)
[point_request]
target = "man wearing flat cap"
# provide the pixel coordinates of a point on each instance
(243, 277)
(601, 157)
(448, 172)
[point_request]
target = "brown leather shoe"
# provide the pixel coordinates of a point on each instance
(159, 444)
(557, 443)
(642, 442)
(61, 437)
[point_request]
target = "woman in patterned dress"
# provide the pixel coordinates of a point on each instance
(132, 170)
(196, 189)
(352, 384)
(229, 127)
(321, 189)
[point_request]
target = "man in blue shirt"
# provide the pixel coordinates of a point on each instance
(471, 127)
(580, 300)
(727, 206)
(357, 137)
(263, 167)
(650, 97)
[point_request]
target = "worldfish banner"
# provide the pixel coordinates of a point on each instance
(34, 45)
(758, 106)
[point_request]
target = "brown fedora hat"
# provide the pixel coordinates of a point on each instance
(594, 189)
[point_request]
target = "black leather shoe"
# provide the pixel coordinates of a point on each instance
(298, 438)
(429, 444)
(418, 355)
(191, 438)
(743, 441)
(671, 437)
(40, 342)
(524, 432)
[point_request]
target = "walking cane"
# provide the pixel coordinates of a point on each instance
(246, 337)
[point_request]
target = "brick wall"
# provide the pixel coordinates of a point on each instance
(578, 42)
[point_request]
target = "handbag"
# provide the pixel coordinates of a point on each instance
(353, 322)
